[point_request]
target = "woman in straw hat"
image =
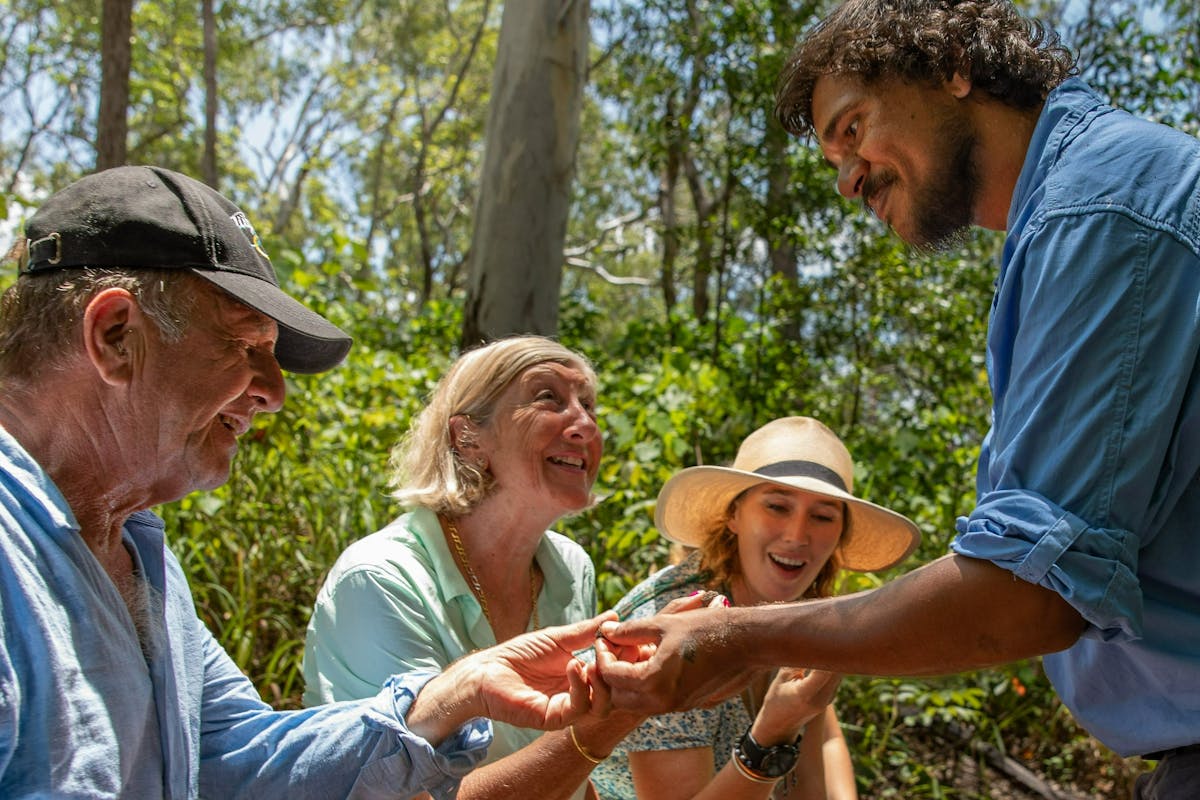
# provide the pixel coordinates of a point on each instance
(777, 526)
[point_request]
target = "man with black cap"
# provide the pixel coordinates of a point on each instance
(145, 331)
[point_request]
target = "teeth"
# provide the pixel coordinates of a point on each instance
(788, 562)
(569, 461)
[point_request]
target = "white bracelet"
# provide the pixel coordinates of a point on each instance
(748, 773)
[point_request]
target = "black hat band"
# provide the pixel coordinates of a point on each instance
(802, 469)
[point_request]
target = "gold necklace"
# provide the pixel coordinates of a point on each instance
(477, 587)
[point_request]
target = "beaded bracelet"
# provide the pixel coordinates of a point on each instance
(582, 750)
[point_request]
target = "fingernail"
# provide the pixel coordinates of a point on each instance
(725, 600)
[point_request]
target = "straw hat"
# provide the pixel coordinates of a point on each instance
(800, 453)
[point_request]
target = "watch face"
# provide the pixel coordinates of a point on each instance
(778, 761)
(772, 762)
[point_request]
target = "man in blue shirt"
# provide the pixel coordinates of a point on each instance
(943, 114)
(144, 333)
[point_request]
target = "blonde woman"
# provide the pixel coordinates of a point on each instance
(508, 445)
(776, 526)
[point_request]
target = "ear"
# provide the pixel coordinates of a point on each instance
(959, 86)
(462, 434)
(465, 439)
(734, 520)
(113, 334)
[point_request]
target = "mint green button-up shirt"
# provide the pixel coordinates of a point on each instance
(395, 601)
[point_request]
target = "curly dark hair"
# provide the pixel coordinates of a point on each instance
(1013, 58)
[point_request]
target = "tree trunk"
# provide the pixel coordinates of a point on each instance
(780, 209)
(112, 124)
(516, 259)
(208, 161)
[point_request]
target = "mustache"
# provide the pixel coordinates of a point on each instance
(874, 183)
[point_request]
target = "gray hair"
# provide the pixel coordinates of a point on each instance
(41, 314)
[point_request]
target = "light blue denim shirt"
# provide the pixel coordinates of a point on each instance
(1089, 480)
(85, 713)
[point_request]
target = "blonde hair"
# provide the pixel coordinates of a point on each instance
(719, 554)
(426, 468)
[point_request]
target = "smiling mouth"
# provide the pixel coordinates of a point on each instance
(234, 424)
(790, 564)
(568, 461)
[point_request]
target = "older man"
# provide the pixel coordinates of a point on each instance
(144, 333)
(939, 115)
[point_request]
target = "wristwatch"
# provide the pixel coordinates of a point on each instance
(769, 762)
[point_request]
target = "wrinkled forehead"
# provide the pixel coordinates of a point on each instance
(233, 316)
(572, 370)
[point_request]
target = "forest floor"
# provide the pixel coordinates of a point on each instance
(970, 770)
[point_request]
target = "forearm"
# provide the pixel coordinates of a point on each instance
(445, 704)
(687, 775)
(952, 615)
(552, 767)
(836, 764)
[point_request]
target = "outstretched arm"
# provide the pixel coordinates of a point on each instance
(951, 615)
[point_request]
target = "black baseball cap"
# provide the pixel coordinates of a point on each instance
(153, 218)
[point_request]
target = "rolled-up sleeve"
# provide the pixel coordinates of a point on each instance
(1092, 568)
(1080, 466)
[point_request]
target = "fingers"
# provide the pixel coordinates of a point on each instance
(702, 599)
(601, 695)
(617, 669)
(578, 635)
(634, 632)
(828, 683)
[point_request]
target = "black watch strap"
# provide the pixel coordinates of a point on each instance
(768, 762)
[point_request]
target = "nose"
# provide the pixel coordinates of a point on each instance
(797, 530)
(583, 426)
(852, 173)
(267, 387)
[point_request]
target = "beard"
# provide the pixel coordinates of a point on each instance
(944, 203)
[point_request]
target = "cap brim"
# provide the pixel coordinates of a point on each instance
(875, 537)
(308, 343)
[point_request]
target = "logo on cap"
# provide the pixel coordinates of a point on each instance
(243, 222)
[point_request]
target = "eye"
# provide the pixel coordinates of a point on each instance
(852, 130)
(825, 515)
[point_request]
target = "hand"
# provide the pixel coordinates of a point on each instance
(535, 680)
(643, 651)
(795, 697)
(531, 681)
(687, 658)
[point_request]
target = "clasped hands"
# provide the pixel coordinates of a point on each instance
(681, 658)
